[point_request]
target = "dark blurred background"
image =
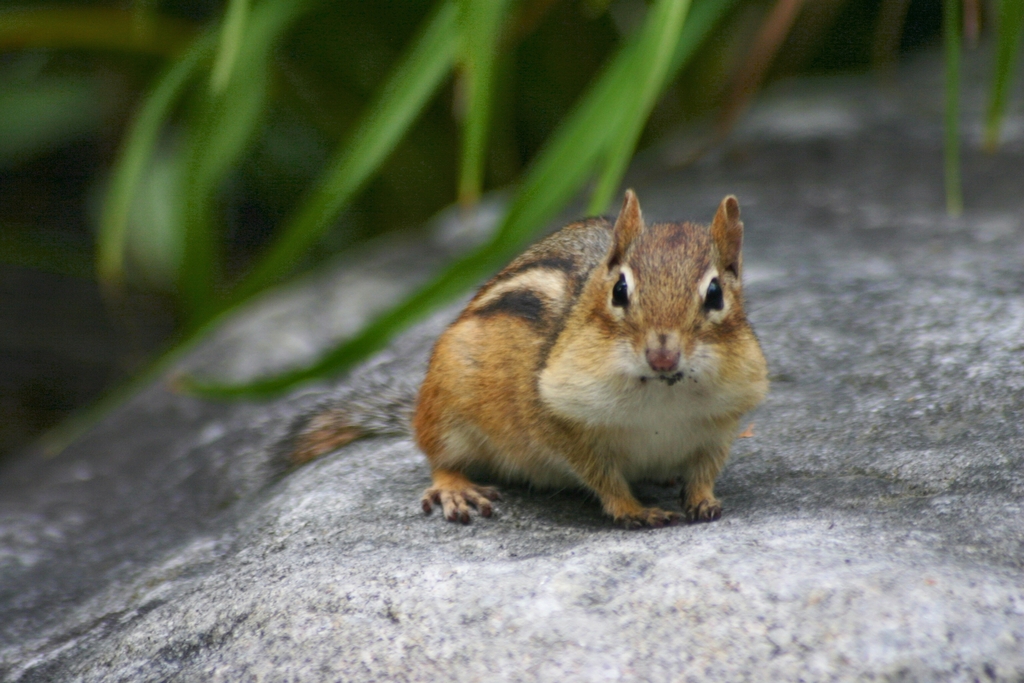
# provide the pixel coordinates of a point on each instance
(64, 111)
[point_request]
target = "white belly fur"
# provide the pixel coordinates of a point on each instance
(651, 428)
(666, 425)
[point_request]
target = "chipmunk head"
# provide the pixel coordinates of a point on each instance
(672, 289)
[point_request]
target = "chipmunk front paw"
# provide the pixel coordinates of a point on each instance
(456, 502)
(649, 517)
(707, 510)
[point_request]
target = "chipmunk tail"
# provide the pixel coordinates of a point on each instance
(322, 434)
(372, 405)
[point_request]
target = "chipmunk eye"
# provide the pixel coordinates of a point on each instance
(713, 299)
(620, 292)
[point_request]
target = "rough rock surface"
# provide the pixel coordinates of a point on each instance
(873, 526)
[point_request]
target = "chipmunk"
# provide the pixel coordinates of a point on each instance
(603, 355)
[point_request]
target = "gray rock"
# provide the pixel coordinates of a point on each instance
(873, 527)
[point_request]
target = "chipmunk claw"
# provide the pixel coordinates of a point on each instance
(704, 511)
(654, 518)
(456, 504)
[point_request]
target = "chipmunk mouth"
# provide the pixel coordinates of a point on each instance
(667, 378)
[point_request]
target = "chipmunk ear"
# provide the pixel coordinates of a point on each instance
(727, 233)
(628, 226)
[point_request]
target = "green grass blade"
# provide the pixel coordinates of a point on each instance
(219, 133)
(136, 152)
(643, 84)
(563, 167)
(951, 27)
(569, 157)
(481, 25)
(230, 42)
(557, 175)
(1011, 26)
(412, 84)
(455, 280)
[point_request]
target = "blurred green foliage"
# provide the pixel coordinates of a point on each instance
(258, 137)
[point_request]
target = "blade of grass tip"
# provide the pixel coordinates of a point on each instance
(136, 152)
(230, 41)
(642, 87)
(555, 177)
(94, 28)
(951, 42)
(1010, 29)
(481, 26)
(412, 84)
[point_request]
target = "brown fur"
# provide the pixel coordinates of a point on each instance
(323, 433)
(525, 384)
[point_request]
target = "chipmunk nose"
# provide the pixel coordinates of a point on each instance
(662, 359)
